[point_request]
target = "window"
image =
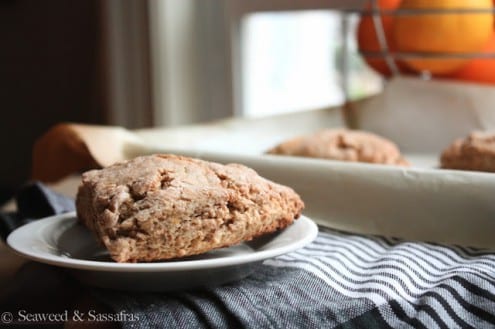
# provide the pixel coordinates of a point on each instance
(289, 62)
(217, 58)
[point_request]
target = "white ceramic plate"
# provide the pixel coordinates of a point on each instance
(62, 241)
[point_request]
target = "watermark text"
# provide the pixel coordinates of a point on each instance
(23, 316)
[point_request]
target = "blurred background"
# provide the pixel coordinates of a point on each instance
(171, 62)
(165, 62)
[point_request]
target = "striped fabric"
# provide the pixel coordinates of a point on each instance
(339, 280)
(415, 285)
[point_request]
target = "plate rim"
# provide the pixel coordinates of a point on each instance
(24, 251)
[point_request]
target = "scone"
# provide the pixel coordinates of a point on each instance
(165, 206)
(343, 145)
(474, 152)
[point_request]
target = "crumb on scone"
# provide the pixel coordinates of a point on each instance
(343, 145)
(474, 152)
(165, 206)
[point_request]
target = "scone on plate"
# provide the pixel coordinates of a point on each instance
(165, 206)
(343, 145)
(474, 152)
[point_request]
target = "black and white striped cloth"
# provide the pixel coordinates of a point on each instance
(340, 280)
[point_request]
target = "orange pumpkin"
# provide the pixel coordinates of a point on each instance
(443, 32)
(481, 70)
(368, 40)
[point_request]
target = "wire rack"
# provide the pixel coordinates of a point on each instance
(390, 57)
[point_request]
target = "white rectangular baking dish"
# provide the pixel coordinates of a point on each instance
(421, 202)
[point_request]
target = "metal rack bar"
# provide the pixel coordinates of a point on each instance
(414, 12)
(424, 55)
(382, 40)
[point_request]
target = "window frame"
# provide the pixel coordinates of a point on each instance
(125, 62)
(211, 86)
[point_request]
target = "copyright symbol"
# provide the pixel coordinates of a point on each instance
(7, 317)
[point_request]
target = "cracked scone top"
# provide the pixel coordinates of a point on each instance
(475, 152)
(165, 206)
(343, 145)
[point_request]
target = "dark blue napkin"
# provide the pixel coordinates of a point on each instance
(339, 281)
(34, 200)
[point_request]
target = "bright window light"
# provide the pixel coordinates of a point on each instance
(290, 62)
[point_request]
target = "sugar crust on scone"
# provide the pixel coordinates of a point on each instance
(474, 152)
(166, 206)
(343, 145)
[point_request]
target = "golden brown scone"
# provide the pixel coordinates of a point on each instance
(474, 152)
(165, 206)
(343, 145)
